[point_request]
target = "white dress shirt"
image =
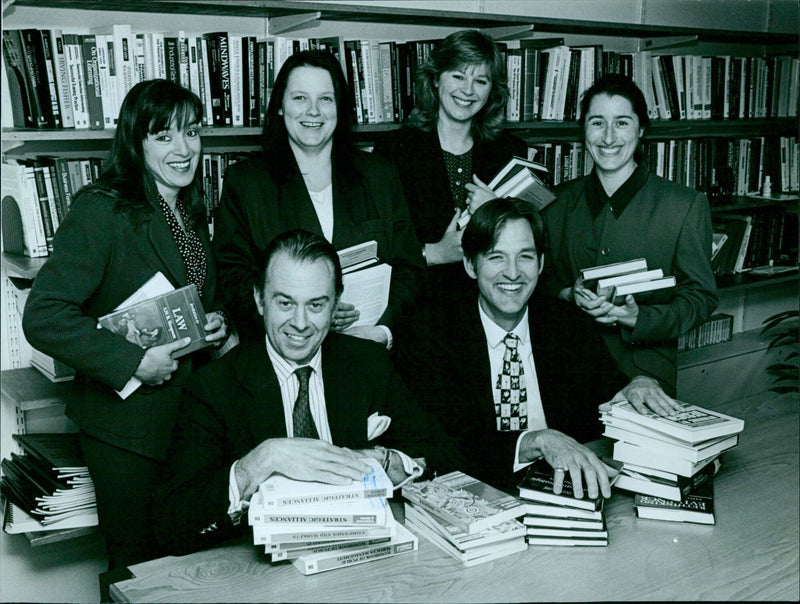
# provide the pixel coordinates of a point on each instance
(496, 348)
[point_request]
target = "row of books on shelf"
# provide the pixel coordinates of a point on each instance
(48, 487)
(71, 80)
(720, 167)
(718, 329)
(748, 241)
(37, 194)
(670, 462)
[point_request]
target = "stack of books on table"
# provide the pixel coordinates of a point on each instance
(469, 519)
(561, 519)
(670, 462)
(617, 280)
(48, 487)
(322, 527)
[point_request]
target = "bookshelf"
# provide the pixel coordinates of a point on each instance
(684, 29)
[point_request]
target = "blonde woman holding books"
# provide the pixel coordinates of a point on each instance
(451, 146)
(145, 214)
(621, 212)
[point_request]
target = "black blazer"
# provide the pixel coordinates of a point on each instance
(234, 404)
(449, 371)
(100, 257)
(256, 206)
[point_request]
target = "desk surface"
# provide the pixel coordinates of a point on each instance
(751, 553)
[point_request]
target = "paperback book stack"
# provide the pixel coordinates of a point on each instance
(561, 519)
(617, 280)
(320, 527)
(48, 487)
(670, 462)
(469, 519)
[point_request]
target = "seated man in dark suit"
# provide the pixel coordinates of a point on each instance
(304, 402)
(476, 373)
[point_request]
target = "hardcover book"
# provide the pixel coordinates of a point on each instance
(641, 287)
(464, 501)
(637, 481)
(550, 510)
(280, 491)
(697, 506)
(161, 320)
(691, 424)
(567, 541)
(537, 486)
(628, 453)
(605, 286)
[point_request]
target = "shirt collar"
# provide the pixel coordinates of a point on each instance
(284, 368)
(597, 198)
(496, 334)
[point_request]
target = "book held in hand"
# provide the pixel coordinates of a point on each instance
(464, 501)
(163, 319)
(691, 424)
(367, 281)
(614, 269)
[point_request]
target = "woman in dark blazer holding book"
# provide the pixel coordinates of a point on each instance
(311, 176)
(621, 212)
(452, 145)
(144, 215)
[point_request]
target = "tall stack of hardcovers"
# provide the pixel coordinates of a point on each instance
(469, 519)
(561, 519)
(321, 527)
(49, 485)
(670, 462)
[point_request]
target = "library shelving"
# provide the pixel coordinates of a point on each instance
(269, 18)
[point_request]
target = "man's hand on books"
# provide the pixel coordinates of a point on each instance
(478, 193)
(299, 458)
(645, 394)
(345, 315)
(561, 451)
(157, 364)
(448, 249)
(216, 328)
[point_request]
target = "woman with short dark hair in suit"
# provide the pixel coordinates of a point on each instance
(310, 176)
(620, 212)
(145, 214)
(452, 144)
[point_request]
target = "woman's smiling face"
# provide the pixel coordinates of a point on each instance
(463, 92)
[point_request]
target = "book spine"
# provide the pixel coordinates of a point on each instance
(44, 207)
(342, 559)
(52, 83)
(236, 84)
(93, 93)
(35, 65)
(19, 84)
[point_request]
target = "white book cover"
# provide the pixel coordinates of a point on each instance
(237, 99)
(368, 290)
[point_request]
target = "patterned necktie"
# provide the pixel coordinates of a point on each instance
(302, 420)
(511, 406)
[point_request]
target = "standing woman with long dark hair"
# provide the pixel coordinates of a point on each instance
(145, 214)
(452, 145)
(311, 176)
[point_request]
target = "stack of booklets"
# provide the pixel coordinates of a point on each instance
(49, 484)
(322, 527)
(670, 462)
(561, 519)
(617, 280)
(469, 519)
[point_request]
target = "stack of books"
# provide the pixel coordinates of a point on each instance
(469, 519)
(561, 519)
(320, 527)
(617, 280)
(49, 485)
(670, 462)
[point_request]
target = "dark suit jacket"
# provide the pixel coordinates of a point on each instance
(449, 371)
(670, 226)
(234, 404)
(100, 257)
(256, 206)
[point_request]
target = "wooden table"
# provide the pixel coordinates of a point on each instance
(751, 553)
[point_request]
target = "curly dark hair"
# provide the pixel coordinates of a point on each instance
(466, 47)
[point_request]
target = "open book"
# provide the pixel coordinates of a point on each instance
(366, 281)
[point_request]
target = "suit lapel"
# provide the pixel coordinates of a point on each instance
(257, 378)
(340, 394)
(160, 238)
(297, 210)
(477, 375)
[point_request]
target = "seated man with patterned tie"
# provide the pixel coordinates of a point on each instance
(475, 372)
(304, 402)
